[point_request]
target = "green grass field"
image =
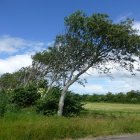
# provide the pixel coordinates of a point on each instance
(113, 107)
(99, 119)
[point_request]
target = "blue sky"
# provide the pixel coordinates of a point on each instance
(28, 26)
(43, 19)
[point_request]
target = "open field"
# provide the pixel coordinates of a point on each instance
(27, 125)
(113, 109)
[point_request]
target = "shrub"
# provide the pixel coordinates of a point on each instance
(49, 104)
(25, 96)
(3, 103)
(72, 105)
(12, 108)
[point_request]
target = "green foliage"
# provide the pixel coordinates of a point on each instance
(12, 108)
(25, 96)
(72, 105)
(22, 77)
(129, 97)
(49, 104)
(3, 103)
(7, 81)
(29, 126)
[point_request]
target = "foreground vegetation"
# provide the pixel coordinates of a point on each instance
(99, 120)
(27, 114)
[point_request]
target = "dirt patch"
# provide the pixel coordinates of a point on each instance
(120, 137)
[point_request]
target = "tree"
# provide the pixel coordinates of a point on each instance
(8, 81)
(20, 78)
(88, 42)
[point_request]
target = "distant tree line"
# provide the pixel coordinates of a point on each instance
(129, 97)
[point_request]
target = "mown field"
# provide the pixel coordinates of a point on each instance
(99, 119)
(114, 109)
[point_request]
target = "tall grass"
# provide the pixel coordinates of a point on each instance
(27, 125)
(35, 127)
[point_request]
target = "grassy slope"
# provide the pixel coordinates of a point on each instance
(26, 125)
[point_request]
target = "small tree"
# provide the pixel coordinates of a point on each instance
(88, 42)
(7, 81)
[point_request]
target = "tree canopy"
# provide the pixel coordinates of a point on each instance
(88, 42)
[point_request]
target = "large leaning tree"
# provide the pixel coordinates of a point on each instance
(88, 42)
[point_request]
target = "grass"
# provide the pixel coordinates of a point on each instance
(27, 125)
(113, 109)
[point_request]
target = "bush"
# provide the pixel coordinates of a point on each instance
(72, 105)
(12, 108)
(25, 96)
(3, 103)
(49, 104)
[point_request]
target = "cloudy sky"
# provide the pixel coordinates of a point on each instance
(29, 26)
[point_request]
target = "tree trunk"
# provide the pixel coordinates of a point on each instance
(61, 101)
(65, 89)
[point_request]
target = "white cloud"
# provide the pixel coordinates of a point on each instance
(11, 45)
(102, 84)
(137, 26)
(16, 52)
(13, 63)
(123, 84)
(119, 80)
(88, 89)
